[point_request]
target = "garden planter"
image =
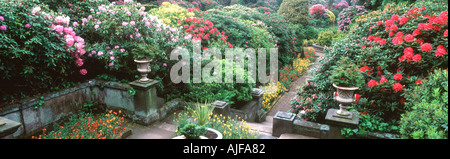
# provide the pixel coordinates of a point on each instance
(143, 67)
(210, 134)
(344, 98)
(317, 47)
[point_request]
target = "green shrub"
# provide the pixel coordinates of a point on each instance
(426, 105)
(75, 9)
(295, 11)
(33, 56)
(326, 37)
(228, 92)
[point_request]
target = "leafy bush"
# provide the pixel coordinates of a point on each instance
(368, 123)
(38, 49)
(75, 9)
(171, 14)
(295, 11)
(326, 37)
(233, 93)
(192, 131)
(426, 115)
(346, 74)
(112, 34)
(345, 17)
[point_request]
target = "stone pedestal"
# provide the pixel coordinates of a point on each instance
(8, 127)
(260, 114)
(282, 123)
(221, 107)
(145, 102)
(337, 122)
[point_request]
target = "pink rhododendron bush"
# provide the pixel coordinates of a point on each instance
(38, 48)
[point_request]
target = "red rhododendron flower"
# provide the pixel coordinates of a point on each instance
(417, 32)
(417, 58)
(370, 37)
(364, 68)
(379, 68)
(379, 23)
(388, 23)
(393, 27)
(399, 34)
(429, 26)
(403, 20)
(382, 80)
(408, 50)
(446, 33)
(391, 33)
(436, 28)
(402, 100)
(379, 73)
(397, 87)
(418, 81)
(382, 42)
(372, 83)
(377, 39)
(357, 97)
(440, 51)
(426, 47)
(421, 26)
(397, 40)
(409, 37)
(395, 17)
(398, 77)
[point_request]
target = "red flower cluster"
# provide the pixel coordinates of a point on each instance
(398, 77)
(397, 87)
(203, 29)
(372, 83)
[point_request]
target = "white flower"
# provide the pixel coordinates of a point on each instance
(35, 10)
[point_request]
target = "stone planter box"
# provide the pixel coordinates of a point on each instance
(250, 111)
(285, 123)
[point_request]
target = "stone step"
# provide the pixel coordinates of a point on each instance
(295, 136)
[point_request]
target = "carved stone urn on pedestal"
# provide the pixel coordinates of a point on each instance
(344, 98)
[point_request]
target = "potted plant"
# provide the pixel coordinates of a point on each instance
(194, 131)
(143, 54)
(346, 79)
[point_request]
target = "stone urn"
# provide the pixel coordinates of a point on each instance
(210, 134)
(344, 98)
(143, 67)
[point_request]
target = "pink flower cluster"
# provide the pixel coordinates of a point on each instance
(74, 43)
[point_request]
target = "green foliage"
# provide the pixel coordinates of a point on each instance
(346, 74)
(295, 11)
(368, 123)
(32, 59)
(229, 92)
(75, 9)
(201, 112)
(426, 116)
(192, 131)
(145, 51)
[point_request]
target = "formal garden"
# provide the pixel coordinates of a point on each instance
(94, 69)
